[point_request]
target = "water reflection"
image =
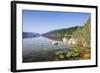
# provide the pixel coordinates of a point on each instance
(35, 49)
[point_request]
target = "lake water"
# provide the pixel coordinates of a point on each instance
(34, 47)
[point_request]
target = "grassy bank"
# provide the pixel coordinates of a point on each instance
(75, 53)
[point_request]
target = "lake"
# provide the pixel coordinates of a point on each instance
(41, 49)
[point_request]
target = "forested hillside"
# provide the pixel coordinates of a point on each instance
(60, 33)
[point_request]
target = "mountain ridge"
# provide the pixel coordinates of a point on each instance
(59, 33)
(30, 34)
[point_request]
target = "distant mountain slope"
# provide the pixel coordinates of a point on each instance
(61, 32)
(30, 34)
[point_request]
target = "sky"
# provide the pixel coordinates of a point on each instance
(45, 21)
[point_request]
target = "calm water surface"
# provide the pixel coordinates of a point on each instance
(32, 47)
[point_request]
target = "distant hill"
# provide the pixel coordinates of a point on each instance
(60, 33)
(30, 34)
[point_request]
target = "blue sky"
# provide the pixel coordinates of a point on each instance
(44, 21)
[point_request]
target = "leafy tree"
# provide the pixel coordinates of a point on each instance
(83, 35)
(87, 30)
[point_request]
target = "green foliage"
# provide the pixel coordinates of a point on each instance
(74, 54)
(87, 30)
(83, 35)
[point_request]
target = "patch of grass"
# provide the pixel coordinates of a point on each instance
(63, 53)
(77, 52)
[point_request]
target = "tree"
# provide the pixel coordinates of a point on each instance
(87, 33)
(83, 35)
